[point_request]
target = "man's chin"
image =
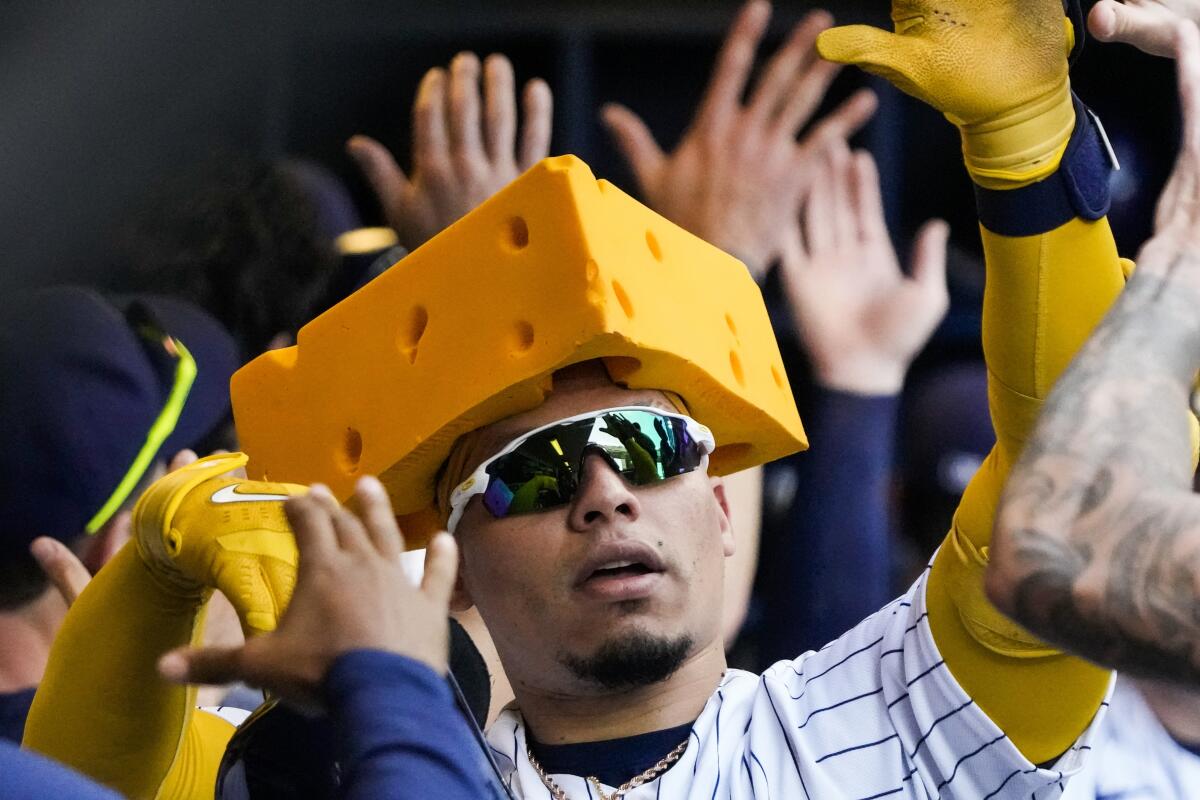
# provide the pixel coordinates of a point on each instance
(631, 660)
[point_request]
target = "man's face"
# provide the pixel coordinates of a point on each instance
(565, 611)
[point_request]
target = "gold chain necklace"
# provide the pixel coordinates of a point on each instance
(638, 780)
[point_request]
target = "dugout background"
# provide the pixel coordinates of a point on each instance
(101, 101)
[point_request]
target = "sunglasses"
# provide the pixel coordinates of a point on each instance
(543, 468)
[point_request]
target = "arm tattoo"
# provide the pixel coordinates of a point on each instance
(1101, 530)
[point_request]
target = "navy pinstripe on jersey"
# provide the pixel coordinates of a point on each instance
(1136, 758)
(874, 714)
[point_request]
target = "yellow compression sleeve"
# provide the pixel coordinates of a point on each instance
(101, 707)
(1044, 296)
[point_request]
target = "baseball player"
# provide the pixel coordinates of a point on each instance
(578, 316)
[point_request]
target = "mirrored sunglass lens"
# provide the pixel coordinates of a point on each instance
(645, 447)
(653, 447)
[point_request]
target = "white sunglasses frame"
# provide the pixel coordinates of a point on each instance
(477, 481)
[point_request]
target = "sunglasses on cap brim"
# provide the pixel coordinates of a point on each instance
(542, 469)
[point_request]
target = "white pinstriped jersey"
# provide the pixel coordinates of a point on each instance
(874, 714)
(1135, 757)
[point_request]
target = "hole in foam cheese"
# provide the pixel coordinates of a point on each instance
(469, 328)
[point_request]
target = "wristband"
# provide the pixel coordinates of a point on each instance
(1078, 188)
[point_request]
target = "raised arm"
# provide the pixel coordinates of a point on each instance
(116, 721)
(1098, 542)
(861, 320)
(998, 69)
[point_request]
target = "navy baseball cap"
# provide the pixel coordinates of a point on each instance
(93, 393)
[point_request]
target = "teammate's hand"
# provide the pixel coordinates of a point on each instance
(861, 319)
(61, 566)
(351, 593)
(737, 177)
(464, 147)
(996, 68)
(1148, 25)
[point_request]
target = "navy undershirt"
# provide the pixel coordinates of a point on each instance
(613, 761)
(14, 708)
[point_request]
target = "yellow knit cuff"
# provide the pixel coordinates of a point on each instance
(1021, 146)
(986, 625)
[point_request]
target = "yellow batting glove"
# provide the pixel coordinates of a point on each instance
(200, 528)
(997, 69)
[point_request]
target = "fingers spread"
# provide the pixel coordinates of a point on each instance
(501, 103)
(376, 512)
(819, 211)
(309, 518)
(347, 528)
(62, 567)
(380, 169)
(430, 138)
(787, 68)
(840, 190)
(441, 569)
(844, 121)
(465, 140)
(929, 256)
(635, 141)
(538, 107)
(733, 65)
(867, 199)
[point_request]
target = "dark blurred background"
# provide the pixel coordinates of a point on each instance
(100, 102)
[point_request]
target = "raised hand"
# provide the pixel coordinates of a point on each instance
(464, 146)
(860, 318)
(1148, 25)
(996, 68)
(352, 593)
(737, 178)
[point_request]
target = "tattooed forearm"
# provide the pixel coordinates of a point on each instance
(1097, 545)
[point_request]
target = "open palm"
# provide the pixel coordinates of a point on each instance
(861, 319)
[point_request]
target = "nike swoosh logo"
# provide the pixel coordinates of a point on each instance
(228, 494)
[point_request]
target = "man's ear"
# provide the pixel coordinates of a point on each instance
(722, 498)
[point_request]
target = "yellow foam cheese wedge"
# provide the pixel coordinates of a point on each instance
(555, 269)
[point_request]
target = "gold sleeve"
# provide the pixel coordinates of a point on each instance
(1044, 295)
(102, 708)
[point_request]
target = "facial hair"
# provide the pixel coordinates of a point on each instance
(630, 662)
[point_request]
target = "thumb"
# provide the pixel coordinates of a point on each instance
(209, 665)
(898, 59)
(441, 569)
(380, 169)
(929, 256)
(634, 140)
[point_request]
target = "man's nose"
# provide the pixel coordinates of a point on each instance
(603, 496)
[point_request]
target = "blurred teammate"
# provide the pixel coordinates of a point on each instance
(95, 399)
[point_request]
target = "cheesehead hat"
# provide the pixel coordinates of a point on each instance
(556, 269)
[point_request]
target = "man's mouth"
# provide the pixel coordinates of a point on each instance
(620, 570)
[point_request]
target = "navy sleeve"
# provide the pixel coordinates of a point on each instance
(28, 776)
(833, 565)
(397, 730)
